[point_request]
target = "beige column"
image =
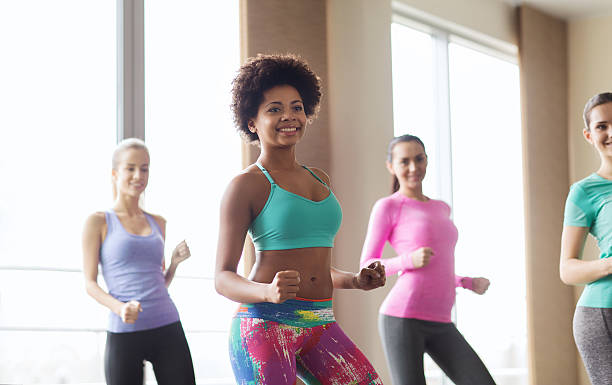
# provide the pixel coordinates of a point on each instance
(544, 98)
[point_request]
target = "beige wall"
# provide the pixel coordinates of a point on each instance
(494, 19)
(590, 60)
(550, 303)
(360, 98)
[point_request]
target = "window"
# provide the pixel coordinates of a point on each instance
(58, 99)
(195, 151)
(59, 125)
(470, 124)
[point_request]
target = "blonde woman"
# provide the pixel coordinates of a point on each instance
(128, 243)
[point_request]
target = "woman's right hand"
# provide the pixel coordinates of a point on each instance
(421, 257)
(284, 286)
(129, 311)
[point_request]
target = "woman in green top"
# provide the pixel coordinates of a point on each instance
(589, 210)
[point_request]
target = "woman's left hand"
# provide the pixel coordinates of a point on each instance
(480, 285)
(181, 252)
(371, 277)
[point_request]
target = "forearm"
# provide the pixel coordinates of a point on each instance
(574, 271)
(102, 297)
(169, 273)
(392, 265)
(240, 289)
(464, 282)
(343, 279)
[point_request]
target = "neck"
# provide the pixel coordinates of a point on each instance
(127, 204)
(605, 169)
(413, 192)
(278, 158)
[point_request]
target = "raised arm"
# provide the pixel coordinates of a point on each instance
(572, 269)
(379, 228)
(367, 278)
(578, 217)
(93, 232)
(235, 217)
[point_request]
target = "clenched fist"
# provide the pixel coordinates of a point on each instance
(421, 257)
(181, 252)
(129, 312)
(371, 277)
(284, 286)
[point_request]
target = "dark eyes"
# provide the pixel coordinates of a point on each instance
(277, 109)
(601, 127)
(418, 160)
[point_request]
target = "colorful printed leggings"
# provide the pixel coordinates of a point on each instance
(273, 353)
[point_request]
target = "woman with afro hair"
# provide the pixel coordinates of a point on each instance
(284, 327)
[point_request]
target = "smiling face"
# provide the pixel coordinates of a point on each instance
(408, 164)
(280, 119)
(599, 132)
(131, 174)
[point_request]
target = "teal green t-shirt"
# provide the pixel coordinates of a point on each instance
(589, 204)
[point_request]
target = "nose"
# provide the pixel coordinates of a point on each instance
(412, 166)
(287, 114)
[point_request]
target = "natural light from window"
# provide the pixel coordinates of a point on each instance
(58, 96)
(487, 188)
(191, 57)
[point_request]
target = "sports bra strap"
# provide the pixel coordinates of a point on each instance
(315, 175)
(266, 173)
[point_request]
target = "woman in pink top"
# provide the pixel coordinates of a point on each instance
(415, 318)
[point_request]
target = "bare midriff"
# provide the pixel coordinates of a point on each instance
(313, 264)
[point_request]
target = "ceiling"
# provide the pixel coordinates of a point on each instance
(569, 9)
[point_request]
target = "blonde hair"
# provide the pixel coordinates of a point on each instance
(126, 144)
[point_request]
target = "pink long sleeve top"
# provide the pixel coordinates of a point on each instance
(426, 293)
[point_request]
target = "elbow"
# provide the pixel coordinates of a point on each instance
(218, 283)
(565, 275)
(89, 288)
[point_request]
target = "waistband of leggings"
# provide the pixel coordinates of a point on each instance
(300, 312)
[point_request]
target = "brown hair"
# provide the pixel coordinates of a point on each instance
(263, 72)
(400, 139)
(124, 145)
(594, 101)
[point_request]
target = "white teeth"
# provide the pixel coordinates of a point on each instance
(289, 129)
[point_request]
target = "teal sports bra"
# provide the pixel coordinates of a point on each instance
(290, 221)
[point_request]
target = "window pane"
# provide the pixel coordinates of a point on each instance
(192, 54)
(51, 357)
(413, 94)
(488, 208)
(58, 98)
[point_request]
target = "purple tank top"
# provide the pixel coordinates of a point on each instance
(132, 269)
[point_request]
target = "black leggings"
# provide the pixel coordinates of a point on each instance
(405, 340)
(594, 340)
(164, 347)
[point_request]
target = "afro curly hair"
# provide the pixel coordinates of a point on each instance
(263, 72)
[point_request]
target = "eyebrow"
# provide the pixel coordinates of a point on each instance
(134, 164)
(279, 103)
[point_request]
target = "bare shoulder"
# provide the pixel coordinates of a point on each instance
(321, 174)
(250, 180)
(96, 221)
